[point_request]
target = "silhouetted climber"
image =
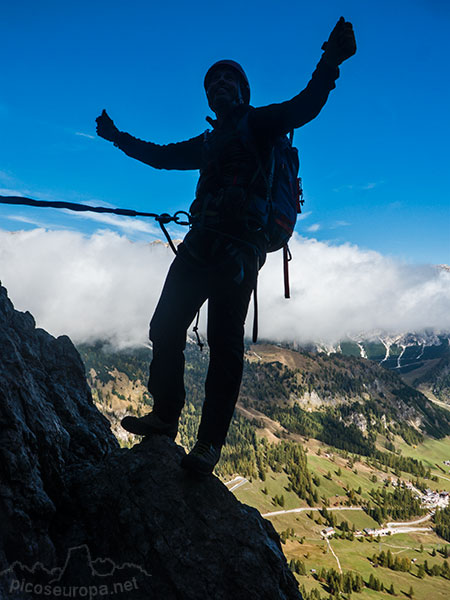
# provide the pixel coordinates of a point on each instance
(220, 256)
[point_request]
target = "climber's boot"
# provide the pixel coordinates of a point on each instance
(202, 458)
(149, 425)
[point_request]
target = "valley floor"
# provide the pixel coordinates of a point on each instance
(302, 528)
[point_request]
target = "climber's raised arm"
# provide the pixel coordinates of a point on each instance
(278, 119)
(181, 155)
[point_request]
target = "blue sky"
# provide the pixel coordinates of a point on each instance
(375, 162)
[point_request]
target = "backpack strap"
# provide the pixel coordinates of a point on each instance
(255, 304)
(255, 312)
(248, 140)
(267, 176)
(287, 257)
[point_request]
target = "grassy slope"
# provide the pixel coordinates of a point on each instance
(430, 452)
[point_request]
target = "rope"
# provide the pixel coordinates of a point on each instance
(163, 219)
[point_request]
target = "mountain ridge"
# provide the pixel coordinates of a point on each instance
(348, 390)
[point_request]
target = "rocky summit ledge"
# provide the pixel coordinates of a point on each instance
(81, 516)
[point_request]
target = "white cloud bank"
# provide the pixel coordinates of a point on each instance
(105, 287)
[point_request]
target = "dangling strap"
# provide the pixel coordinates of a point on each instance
(255, 304)
(255, 312)
(200, 344)
(167, 235)
(287, 257)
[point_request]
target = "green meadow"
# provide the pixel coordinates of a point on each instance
(336, 477)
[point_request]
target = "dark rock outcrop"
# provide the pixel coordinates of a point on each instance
(78, 512)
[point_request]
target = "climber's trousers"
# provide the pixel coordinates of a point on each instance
(186, 288)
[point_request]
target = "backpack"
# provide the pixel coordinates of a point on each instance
(284, 193)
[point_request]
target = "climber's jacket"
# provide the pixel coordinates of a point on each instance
(227, 165)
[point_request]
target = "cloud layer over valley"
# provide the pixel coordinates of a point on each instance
(105, 287)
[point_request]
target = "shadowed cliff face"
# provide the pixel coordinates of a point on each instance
(105, 521)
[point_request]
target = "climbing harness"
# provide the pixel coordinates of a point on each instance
(163, 219)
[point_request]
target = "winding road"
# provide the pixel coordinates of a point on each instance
(236, 483)
(393, 527)
(411, 523)
(308, 508)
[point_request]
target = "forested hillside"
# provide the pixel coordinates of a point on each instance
(323, 395)
(345, 402)
(437, 378)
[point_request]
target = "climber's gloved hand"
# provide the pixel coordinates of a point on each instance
(106, 128)
(341, 44)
